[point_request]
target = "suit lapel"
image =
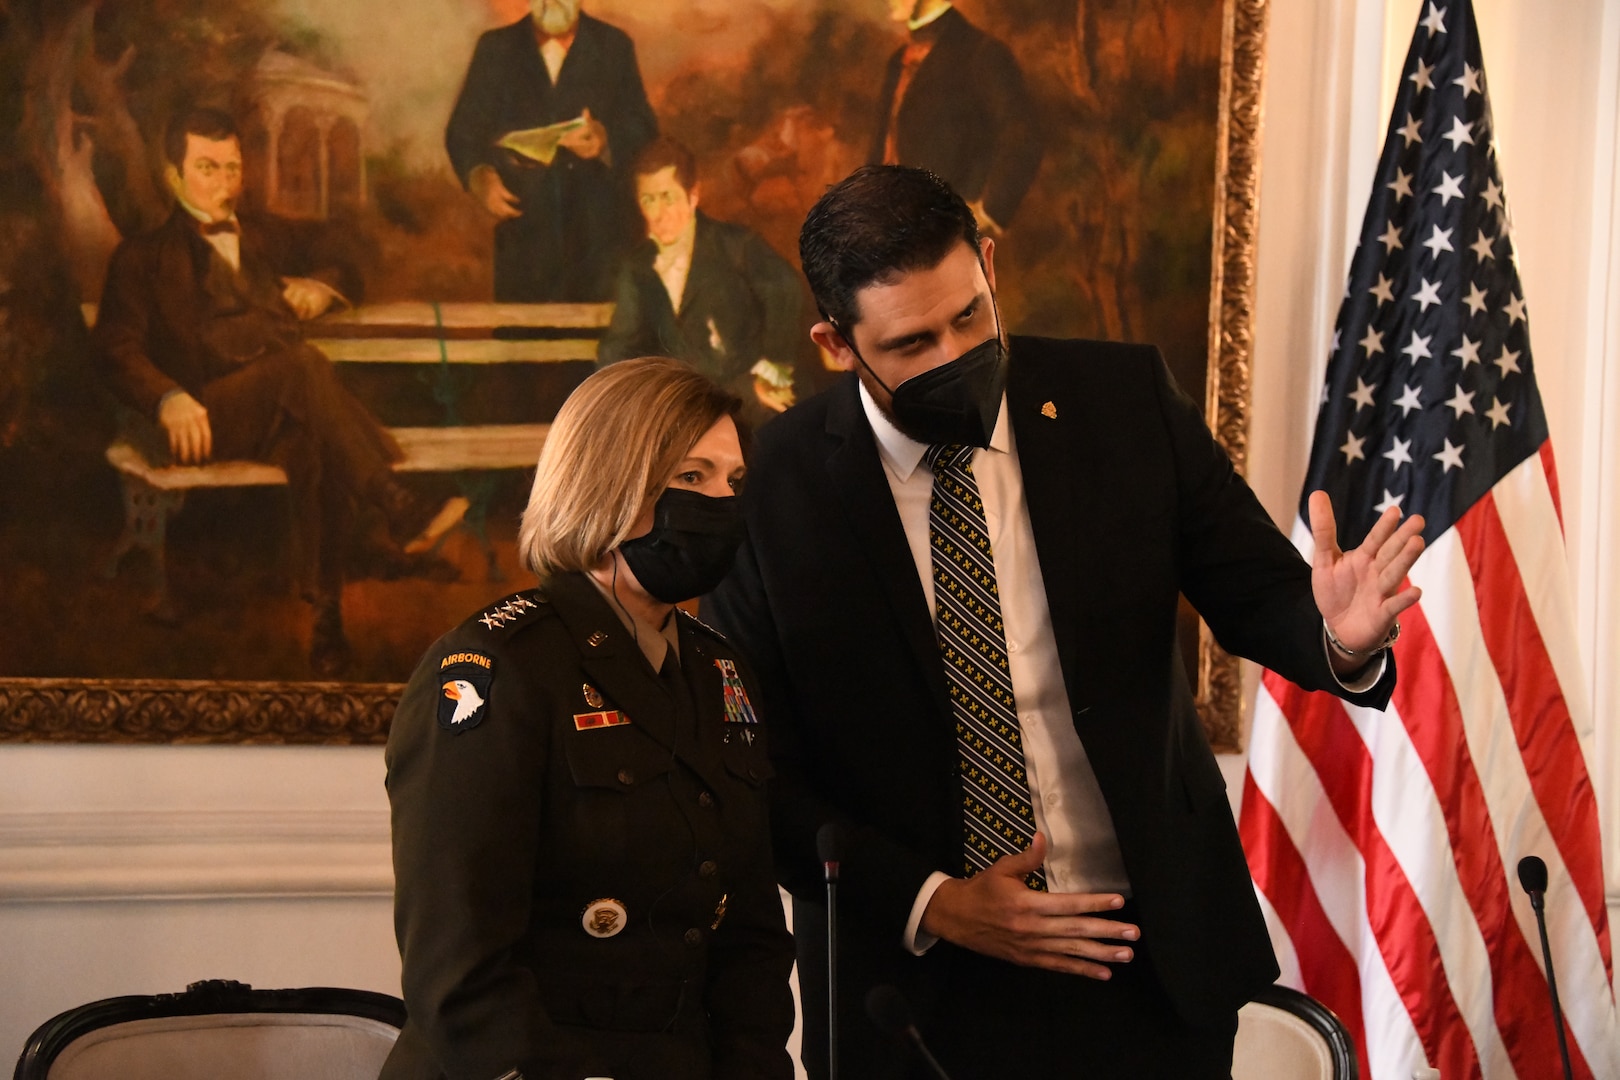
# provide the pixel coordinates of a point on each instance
(612, 661)
(1064, 538)
(858, 477)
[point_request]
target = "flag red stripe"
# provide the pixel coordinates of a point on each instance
(1405, 939)
(1427, 703)
(1550, 467)
(1541, 720)
(1326, 967)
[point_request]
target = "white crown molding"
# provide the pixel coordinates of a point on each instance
(193, 855)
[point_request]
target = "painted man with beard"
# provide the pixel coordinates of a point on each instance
(561, 226)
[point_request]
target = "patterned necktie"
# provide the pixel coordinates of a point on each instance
(996, 810)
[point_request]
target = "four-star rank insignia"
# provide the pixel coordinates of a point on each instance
(508, 610)
(739, 710)
(464, 686)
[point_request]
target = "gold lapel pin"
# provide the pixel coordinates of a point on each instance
(1049, 411)
(593, 696)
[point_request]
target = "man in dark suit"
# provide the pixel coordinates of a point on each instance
(562, 224)
(199, 330)
(959, 590)
(954, 102)
(708, 292)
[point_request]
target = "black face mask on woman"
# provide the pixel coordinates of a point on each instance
(691, 547)
(954, 403)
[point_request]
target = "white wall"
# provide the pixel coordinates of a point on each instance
(136, 870)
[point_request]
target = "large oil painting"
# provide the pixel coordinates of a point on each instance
(289, 289)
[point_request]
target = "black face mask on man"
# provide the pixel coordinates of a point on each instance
(691, 546)
(954, 403)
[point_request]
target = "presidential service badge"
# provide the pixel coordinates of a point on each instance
(593, 696)
(464, 684)
(739, 710)
(603, 918)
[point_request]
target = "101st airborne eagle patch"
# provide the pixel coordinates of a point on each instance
(464, 685)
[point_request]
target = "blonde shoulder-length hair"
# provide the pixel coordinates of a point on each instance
(612, 449)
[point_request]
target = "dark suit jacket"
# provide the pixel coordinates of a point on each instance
(967, 116)
(579, 216)
(742, 303)
(1131, 502)
(174, 316)
(506, 831)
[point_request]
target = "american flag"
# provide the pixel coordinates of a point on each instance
(1384, 845)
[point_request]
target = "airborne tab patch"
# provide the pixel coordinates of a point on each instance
(465, 679)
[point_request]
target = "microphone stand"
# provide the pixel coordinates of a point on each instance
(829, 847)
(831, 869)
(1533, 879)
(1538, 901)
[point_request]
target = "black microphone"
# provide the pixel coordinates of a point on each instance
(830, 850)
(889, 1011)
(1533, 876)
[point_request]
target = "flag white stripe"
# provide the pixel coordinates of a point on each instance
(1525, 505)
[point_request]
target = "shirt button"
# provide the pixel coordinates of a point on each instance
(1012, 646)
(694, 936)
(626, 777)
(1053, 799)
(707, 868)
(705, 800)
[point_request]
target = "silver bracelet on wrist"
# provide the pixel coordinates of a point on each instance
(1366, 654)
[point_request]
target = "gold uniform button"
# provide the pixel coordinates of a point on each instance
(694, 936)
(707, 868)
(626, 777)
(705, 800)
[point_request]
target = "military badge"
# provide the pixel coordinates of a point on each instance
(464, 685)
(603, 918)
(585, 721)
(593, 696)
(739, 710)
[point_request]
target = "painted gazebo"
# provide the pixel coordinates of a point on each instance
(304, 139)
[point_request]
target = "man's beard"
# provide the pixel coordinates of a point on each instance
(555, 16)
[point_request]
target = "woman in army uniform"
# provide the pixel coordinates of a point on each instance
(582, 864)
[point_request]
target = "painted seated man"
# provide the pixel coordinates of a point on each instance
(708, 292)
(200, 329)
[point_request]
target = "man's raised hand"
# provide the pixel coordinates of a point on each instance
(1359, 592)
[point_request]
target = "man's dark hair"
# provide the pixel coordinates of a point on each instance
(877, 223)
(663, 152)
(202, 122)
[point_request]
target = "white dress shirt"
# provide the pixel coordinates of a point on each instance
(673, 264)
(1082, 853)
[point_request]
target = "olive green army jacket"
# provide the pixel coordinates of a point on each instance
(583, 877)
